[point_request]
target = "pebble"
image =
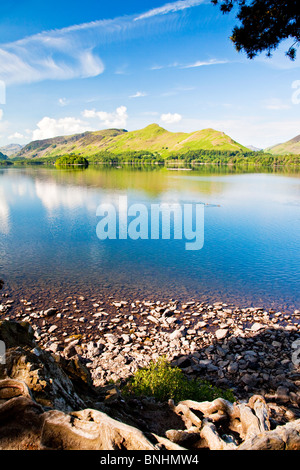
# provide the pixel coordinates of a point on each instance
(246, 349)
(221, 333)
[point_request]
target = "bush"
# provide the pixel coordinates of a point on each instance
(164, 382)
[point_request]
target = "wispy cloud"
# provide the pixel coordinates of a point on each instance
(198, 63)
(23, 63)
(73, 52)
(170, 8)
(204, 63)
(138, 94)
(275, 104)
(62, 101)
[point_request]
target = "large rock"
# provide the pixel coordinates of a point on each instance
(52, 384)
(15, 334)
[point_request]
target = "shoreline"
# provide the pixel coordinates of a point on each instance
(249, 350)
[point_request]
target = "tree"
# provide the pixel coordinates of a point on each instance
(264, 25)
(66, 160)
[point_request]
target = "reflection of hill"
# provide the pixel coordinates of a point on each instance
(153, 183)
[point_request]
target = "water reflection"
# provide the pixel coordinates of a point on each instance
(48, 238)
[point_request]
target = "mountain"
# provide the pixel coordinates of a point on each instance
(153, 138)
(10, 149)
(253, 149)
(290, 147)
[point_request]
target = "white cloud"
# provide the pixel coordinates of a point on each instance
(62, 101)
(16, 135)
(117, 118)
(138, 94)
(48, 127)
(171, 118)
(170, 8)
(26, 64)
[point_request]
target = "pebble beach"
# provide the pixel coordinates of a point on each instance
(249, 350)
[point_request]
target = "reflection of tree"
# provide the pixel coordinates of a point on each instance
(1, 284)
(153, 181)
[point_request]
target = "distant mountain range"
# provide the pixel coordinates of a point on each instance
(254, 149)
(291, 146)
(153, 138)
(10, 149)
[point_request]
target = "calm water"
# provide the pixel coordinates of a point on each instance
(251, 253)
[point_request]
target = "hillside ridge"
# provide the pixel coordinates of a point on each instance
(292, 146)
(152, 138)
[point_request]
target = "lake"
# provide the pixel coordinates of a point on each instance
(251, 253)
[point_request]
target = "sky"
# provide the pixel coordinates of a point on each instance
(70, 66)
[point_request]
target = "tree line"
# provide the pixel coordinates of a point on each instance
(147, 157)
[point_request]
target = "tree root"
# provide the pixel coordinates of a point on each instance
(244, 426)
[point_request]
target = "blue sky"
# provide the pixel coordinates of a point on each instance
(69, 66)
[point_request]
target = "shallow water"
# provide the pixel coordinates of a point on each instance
(251, 253)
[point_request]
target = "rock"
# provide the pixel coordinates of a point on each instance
(257, 327)
(221, 333)
(50, 312)
(54, 347)
(15, 334)
(177, 334)
(50, 384)
(111, 338)
(183, 361)
(126, 338)
(249, 379)
(153, 319)
(233, 368)
(282, 394)
(52, 328)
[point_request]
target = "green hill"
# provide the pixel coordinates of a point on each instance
(152, 138)
(290, 147)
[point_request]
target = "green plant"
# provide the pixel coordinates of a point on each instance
(66, 160)
(163, 382)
